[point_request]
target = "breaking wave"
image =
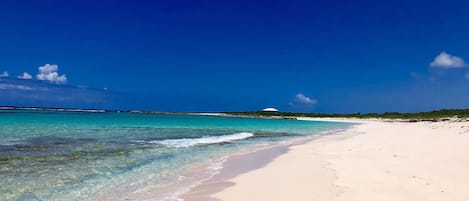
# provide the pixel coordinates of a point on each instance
(190, 142)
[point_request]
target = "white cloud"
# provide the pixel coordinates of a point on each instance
(25, 76)
(23, 87)
(304, 100)
(52, 77)
(467, 76)
(445, 60)
(50, 73)
(48, 68)
(4, 74)
(13, 86)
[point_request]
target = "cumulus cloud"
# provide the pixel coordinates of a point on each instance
(48, 68)
(445, 60)
(302, 102)
(300, 98)
(4, 74)
(49, 72)
(25, 76)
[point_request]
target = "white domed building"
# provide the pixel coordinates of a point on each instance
(270, 109)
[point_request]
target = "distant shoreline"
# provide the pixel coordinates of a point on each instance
(436, 115)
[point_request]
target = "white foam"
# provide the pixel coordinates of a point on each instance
(190, 142)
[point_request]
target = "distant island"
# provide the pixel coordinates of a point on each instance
(417, 116)
(436, 115)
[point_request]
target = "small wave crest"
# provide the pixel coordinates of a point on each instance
(190, 142)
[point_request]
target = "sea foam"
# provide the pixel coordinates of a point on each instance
(190, 142)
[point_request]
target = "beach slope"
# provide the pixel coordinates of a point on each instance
(371, 161)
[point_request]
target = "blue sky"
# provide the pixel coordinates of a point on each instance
(318, 56)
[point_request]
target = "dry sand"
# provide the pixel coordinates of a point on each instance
(372, 161)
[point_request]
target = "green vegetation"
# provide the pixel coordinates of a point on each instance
(433, 115)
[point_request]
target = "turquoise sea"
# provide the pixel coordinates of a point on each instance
(50, 155)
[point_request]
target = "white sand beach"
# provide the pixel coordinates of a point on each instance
(371, 161)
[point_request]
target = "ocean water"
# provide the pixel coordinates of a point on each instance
(46, 155)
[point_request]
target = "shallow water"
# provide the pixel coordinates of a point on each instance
(82, 156)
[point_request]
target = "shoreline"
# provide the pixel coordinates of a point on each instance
(246, 161)
(371, 160)
(196, 179)
(231, 169)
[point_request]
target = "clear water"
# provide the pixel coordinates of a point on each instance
(84, 156)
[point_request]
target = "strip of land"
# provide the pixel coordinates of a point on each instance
(373, 160)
